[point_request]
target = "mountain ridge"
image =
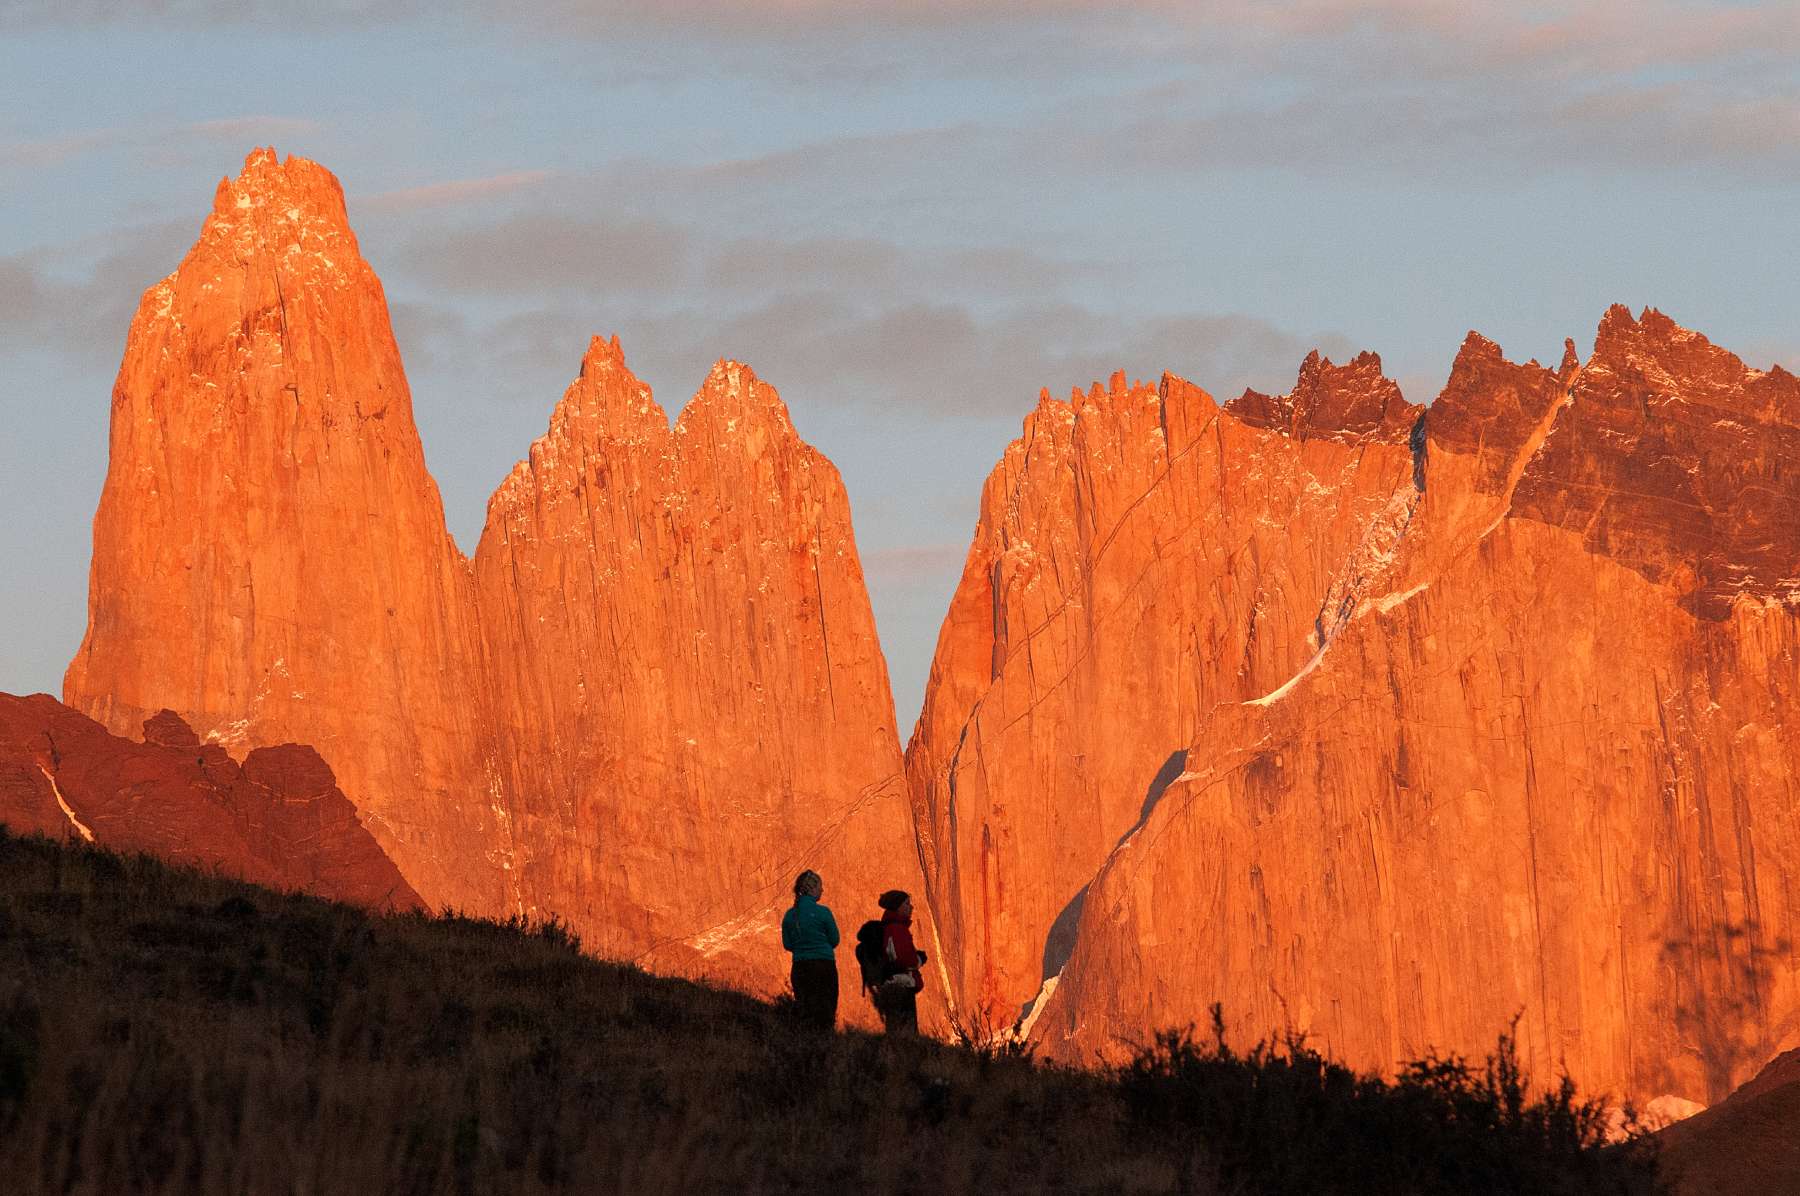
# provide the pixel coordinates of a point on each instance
(1453, 687)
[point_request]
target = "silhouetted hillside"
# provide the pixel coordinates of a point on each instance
(163, 1030)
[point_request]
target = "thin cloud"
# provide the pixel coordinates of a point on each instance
(331, 14)
(940, 359)
(877, 265)
(1471, 138)
(950, 359)
(1572, 34)
(748, 265)
(424, 331)
(567, 17)
(39, 310)
(546, 252)
(238, 128)
(1579, 37)
(1372, 124)
(22, 300)
(42, 153)
(79, 301)
(1437, 88)
(455, 191)
(847, 153)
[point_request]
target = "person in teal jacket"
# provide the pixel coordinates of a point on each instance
(810, 934)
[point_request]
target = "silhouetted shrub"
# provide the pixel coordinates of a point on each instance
(976, 1033)
(1282, 1117)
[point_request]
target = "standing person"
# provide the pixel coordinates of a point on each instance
(898, 999)
(810, 934)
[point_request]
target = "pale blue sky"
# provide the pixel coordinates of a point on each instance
(908, 216)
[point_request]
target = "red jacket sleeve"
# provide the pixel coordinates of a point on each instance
(902, 953)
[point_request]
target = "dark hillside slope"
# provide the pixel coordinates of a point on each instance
(1750, 1142)
(168, 1030)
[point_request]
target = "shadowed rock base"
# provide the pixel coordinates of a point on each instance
(276, 819)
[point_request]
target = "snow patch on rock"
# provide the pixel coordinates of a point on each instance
(56, 791)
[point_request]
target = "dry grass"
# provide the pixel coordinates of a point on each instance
(163, 1030)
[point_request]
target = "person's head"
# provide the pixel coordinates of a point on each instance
(896, 901)
(809, 884)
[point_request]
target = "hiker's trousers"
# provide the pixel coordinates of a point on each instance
(899, 1009)
(815, 984)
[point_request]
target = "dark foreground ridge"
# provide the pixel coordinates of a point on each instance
(168, 1030)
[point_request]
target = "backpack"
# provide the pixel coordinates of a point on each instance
(871, 953)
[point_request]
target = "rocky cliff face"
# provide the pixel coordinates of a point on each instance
(270, 558)
(653, 696)
(1543, 763)
(277, 819)
(1142, 556)
(698, 705)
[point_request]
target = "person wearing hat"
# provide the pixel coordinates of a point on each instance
(898, 999)
(810, 934)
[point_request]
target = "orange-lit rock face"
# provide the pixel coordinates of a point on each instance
(1546, 763)
(1141, 556)
(1350, 404)
(1677, 462)
(697, 702)
(270, 558)
(278, 819)
(654, 695)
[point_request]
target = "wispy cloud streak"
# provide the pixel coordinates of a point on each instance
(41, 153)
(455, 191)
